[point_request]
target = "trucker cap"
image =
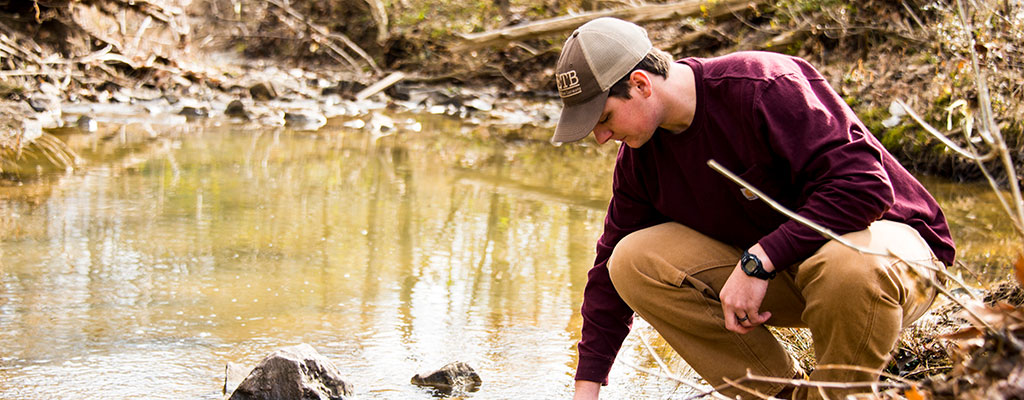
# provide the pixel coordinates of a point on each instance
(595, 56)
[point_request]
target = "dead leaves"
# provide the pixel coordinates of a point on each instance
(988, 355)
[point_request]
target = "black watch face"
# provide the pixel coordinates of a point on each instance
(749, 265)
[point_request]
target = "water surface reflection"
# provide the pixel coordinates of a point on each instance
(142, 276)
(169, 256)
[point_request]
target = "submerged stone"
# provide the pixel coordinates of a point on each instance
(455, 377)
(296, 372)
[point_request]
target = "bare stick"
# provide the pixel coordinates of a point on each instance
(650, 349)
(672, 377)
(736, 384)
(382, 84)
(863, 369)
(942, 138)
(913, 15)
(824, 384)
(782, 209)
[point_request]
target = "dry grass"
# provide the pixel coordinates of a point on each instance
(46, 152)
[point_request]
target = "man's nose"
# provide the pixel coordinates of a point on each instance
(602, 134)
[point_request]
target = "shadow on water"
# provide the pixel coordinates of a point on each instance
(169, 255)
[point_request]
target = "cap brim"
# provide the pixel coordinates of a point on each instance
(577, 121)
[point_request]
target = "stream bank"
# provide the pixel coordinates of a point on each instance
(201, 55)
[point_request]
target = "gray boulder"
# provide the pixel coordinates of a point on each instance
(455, 377)
(293, 373)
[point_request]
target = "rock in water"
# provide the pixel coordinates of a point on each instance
(236, 109)
(293, 373)
(194, 112)
(457, 376)
(263, 91)
(305, 120)
(87, 124)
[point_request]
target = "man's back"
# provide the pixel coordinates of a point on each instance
(773, 120)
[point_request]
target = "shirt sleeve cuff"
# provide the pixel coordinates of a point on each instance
(593, 369)
(779, 250)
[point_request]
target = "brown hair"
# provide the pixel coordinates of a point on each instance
(656, 62)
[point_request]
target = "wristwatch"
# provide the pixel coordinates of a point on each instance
(752, 266)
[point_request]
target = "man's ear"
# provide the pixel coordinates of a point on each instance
(642, 80)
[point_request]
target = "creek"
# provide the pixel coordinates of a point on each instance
(175, 250)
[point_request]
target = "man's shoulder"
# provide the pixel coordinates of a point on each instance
(752, 65)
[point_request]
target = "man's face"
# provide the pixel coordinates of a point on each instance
(632, 121)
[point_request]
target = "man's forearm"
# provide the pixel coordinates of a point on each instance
(586, 390)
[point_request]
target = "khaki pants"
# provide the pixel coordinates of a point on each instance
(854, 304)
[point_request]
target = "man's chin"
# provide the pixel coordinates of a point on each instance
(635, 144)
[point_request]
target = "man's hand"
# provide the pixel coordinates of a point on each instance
(742, 296)
(587, 390)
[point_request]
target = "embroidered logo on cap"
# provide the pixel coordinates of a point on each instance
(568, 84)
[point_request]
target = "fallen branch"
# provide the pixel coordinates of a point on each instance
(319, 30)
(380, 16)
(644, 13)
(380, 85)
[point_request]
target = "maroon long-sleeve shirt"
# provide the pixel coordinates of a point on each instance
(777, 123)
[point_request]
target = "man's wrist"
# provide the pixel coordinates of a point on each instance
(587, 389)
(752, 266)
(757, 250)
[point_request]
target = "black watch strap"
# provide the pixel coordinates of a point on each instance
(752, 266)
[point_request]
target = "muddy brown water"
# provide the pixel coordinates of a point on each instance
(168, 255)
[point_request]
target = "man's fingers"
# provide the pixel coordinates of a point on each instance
(745, 321)
(730, 319)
